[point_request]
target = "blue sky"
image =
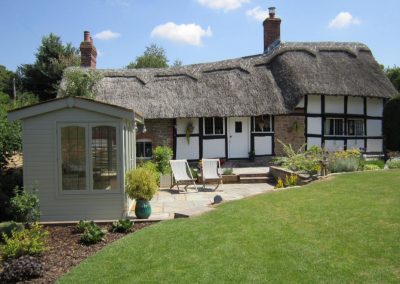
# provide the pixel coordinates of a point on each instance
(193, 30)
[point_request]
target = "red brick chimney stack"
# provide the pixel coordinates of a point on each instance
(88, 51)
(272, 29)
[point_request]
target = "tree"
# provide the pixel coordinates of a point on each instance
(6, 80)
(44, 76)
(153, 57)
(394, 76)
(177, 63)
(391, 124)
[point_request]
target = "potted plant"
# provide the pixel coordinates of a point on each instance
(162, 155)
(141, 185)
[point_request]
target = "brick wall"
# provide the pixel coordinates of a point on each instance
(159, 131)
(289, 129)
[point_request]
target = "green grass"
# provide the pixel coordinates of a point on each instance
(346, 229)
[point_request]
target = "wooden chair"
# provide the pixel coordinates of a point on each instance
(181, 174)
(211, 171)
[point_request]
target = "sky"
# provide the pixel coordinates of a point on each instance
(193, 31)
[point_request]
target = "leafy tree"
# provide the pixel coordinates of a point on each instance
(80, 82)
(391, 124)
(52, 57)
(153, 57)
(394, 76)
(6, 80)
(177, 63)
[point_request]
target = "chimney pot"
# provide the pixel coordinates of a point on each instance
(271, 11)
(86, 36)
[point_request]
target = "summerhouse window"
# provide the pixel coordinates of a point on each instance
(88, 157)
(73, 157)
(144, 149)
(334, 126)
(214, 126)
(355, 127)
(262, 123)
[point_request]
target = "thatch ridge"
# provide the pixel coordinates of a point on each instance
(271, 83)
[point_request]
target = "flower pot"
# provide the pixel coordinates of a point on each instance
(165, 181)
(142, 209)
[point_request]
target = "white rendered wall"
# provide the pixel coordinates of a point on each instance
(374, 127)
(187, 151)
(313, 104)
(182, 123)
(334, 145)
(313, 141)
(334, 104)
(213, 148)
(374, 145)
(355, 105)
(263, 145)
(301, 103)
(355, 144)
(374, 107)
(314, 125)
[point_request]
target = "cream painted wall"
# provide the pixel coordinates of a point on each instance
(314, 104)
(314, 125)
(355, 105)
(334, 145)
(313, 141)
(213, 148)
(187, 151)
(374, 127)
(374, 107)
(182, 123)
(355, 143)
(263, 145)
(374, 145)
(334, 104)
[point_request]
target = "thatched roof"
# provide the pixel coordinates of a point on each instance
(270, 83)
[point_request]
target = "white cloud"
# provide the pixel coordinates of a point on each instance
(99, 53)
(225, 5)
(185, 33)
(106, 35)
(343, 20)
(257, 14)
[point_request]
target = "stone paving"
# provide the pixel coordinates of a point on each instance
(169, 204)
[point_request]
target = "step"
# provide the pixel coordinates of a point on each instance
(263, 179)
(254, 175)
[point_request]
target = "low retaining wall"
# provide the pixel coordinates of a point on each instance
(278, 172)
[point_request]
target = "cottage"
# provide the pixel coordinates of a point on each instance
(321, 93)
(77, 150)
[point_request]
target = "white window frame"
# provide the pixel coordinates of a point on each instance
(143, 141)
(362, 123)
(213, 118)
(89, 164)
(253, 121)
(335, 118)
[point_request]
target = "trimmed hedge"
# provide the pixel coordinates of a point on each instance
(391, 124)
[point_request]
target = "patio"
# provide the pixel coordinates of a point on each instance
(170, 204)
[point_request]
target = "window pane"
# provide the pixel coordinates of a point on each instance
(104, 157)
(208, 125)
(140, 150)
(262, 123)
(148, 149)
(238, 126)
(355, 127)
(350, 127)
(359, 125)
(73, 158)
(338, 127)
(219, 125)
(329, 127)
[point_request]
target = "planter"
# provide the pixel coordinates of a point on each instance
(278, 172)
(230, 179)
(165, 181)
(142, 209)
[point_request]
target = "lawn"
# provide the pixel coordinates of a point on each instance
(345, 229)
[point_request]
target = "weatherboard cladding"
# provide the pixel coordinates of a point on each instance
(271, 83)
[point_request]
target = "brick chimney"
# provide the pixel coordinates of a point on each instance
(88, 51)
(272, 29)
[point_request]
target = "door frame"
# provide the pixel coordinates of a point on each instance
(245, 121)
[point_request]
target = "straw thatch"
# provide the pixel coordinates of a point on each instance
(270, 83)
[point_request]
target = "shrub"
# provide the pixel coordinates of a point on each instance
(391, 122)
(9, 179)
(26, 242)
(152, 167)
(82, 225)
(344, 165)
(291, 180)
(141, 184)
(92, 235)
(80, 82)
(23, 268)
(378, 163)
(25, 206)
(279, 184)
(371, 167)
(227, 171)
(393, 163)
(8, 227)
(162, 155)
(122, 226)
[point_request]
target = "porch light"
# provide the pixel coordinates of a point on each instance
(271, 11)
(135, 126)
(144, 128)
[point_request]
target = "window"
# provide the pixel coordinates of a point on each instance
(355, 127)
(238, 126)
(334, 126)
(144, 149)
(88, 157)
(214, 126)
(262, 123)
(73, 157)
(104, 157)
